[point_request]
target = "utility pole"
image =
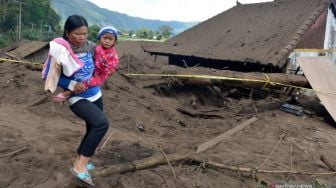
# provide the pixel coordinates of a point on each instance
(19, 24)
(41, 27)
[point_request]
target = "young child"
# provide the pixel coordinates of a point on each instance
(106, 61)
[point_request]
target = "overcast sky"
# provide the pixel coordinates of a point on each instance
(171, 10)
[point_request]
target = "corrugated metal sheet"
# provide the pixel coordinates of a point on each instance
(262, 33)
(314, 37)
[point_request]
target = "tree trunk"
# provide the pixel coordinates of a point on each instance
(152, 161)
(231, 78)
(253, 79)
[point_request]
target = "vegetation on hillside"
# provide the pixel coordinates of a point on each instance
(37, 20)
(28, 19)
(101, 16)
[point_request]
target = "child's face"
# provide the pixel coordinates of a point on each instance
(107, 40)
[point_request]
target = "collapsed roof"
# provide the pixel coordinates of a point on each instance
(23, 49)
(263, 33)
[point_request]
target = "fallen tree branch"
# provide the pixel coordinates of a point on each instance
(165, 156)
(198, 114)
(105, 142)
(14, 152)
(158, 158)
(326, 162)
(155, 160)
(275, 147)
(215, 165)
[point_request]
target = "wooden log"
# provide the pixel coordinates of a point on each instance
(250, 79)
(194, 113)
(193, 76)
(156, 159)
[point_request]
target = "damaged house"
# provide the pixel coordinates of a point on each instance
(254, 37)
(31, 51)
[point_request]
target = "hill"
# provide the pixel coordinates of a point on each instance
(101, 16)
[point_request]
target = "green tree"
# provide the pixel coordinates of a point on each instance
(38, 19)
(4, 4)
(10, 17)
(158, 35)
(166, 31)
(150, 34)
(93, 31)
(40, 13)
(142, 33)
(130, 33)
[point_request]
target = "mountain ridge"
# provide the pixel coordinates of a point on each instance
(102, 17)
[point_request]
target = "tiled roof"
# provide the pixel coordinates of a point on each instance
(263, 33)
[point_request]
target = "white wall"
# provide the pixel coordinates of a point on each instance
(329, 41)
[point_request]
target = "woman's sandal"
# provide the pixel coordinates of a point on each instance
(90, 166)
(83, 177)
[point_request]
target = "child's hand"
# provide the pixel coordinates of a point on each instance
(79, 88)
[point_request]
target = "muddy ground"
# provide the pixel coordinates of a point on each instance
(38, 142)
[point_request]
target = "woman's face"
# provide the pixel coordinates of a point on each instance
(77, 37)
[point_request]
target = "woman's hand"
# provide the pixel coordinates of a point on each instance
(79, 88)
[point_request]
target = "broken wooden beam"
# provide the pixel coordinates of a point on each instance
(211, 143)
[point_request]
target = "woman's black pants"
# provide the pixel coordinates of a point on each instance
(96, 125)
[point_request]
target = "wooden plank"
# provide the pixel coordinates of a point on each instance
(321, 74)
(207, 145)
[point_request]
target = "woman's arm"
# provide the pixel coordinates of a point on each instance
(67, 83)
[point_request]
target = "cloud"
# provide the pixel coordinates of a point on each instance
(171, 10)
